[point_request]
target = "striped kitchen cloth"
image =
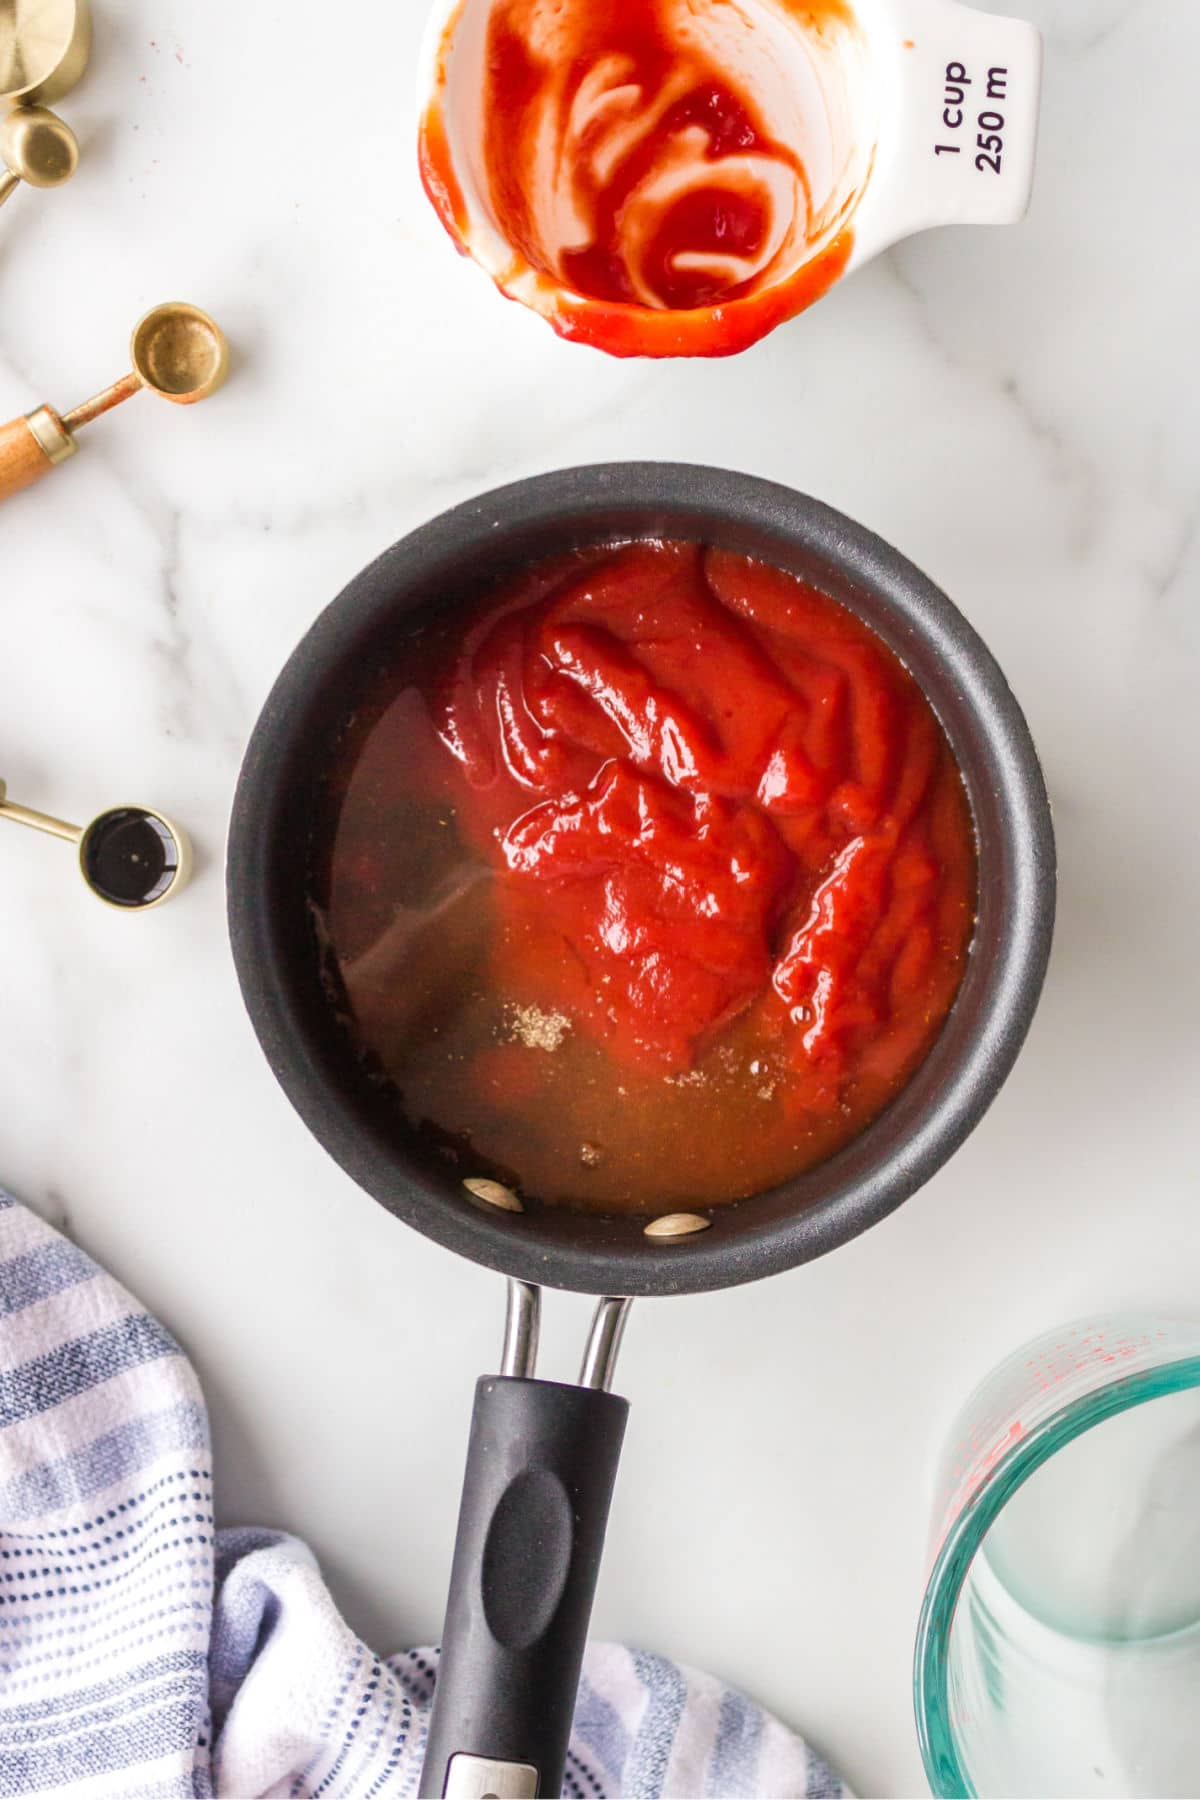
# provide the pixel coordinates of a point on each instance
(143, 1655)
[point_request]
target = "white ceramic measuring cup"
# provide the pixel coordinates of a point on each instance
(895, 115)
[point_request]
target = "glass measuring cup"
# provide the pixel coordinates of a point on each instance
(1058, 1650)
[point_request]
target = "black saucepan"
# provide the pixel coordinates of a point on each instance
(543, 1455)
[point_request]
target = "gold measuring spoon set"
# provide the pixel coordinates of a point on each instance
(44, 47)
(130, 856)
(177, 350)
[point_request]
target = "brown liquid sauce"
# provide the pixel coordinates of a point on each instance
(487, 1013)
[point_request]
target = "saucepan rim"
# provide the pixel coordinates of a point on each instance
(947, 1095)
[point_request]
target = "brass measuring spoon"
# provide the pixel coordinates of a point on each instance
(176, 351)
(129, 856)
(36, 147)
(44, 47)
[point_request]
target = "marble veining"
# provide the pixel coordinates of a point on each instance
(1015, 409)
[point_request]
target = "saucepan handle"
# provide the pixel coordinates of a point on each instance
(540, 1470)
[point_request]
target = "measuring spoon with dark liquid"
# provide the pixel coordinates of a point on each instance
(129, 856)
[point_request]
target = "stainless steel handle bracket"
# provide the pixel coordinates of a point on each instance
(477, 1778)
(521, 1328)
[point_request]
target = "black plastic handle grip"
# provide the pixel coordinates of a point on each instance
(540, 1471)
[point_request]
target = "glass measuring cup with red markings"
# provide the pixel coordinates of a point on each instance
(1059, 1645)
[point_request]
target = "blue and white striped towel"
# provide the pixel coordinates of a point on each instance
(143, 1655)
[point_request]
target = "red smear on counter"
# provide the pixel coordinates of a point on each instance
(724, 875)
(649, 209)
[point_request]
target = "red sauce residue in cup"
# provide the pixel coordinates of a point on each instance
(648, 208)
(441, 183)
(653, 877)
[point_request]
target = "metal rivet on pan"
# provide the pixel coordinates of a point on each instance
(672, 1225)
(494, 1193)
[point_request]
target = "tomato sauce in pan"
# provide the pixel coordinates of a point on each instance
(652, 878)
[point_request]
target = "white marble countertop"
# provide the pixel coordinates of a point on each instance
(1017, 410)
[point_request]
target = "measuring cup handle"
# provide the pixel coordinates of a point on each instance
(959, 137)
(30, 447)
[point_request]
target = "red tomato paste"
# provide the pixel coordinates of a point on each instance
(630, 169)
(654, 877)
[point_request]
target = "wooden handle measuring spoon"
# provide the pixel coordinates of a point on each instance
(176, 351)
